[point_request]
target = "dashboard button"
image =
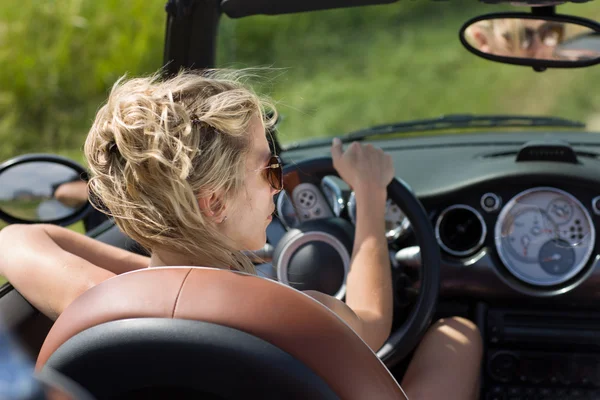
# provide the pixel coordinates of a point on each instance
(490, 202)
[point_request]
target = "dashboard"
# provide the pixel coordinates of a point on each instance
(506, 228)
(515, 215)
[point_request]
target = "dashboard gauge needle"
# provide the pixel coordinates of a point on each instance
(525, 242)
(554, 257)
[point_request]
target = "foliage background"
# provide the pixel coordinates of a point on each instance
(340, 70)
(334, 71)
(58, 59)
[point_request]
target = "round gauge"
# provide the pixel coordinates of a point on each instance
(556, 257)
(396, 222)
(560, 210)
(544, 236)
(286, 211)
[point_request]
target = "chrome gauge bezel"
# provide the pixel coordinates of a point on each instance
(352, 207)
(508, 210)
(279, 206)
(337, 204)
(400, 231)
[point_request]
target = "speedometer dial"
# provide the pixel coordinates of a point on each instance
(544, 236)
(526, 232)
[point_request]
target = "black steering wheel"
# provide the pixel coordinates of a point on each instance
(316, 253)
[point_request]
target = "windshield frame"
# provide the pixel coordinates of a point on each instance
(246, 8)
(192, 25)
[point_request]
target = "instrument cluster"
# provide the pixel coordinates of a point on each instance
(544, 236)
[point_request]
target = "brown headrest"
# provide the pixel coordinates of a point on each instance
(284, 317)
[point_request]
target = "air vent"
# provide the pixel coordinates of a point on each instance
(460, 230)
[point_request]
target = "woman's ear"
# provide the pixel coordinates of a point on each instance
(477, 38)
(212, 207)
(481, 40)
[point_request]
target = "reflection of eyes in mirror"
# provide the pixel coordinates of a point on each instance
(41, 191)
(530, 38)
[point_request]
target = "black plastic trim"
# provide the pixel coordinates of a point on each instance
(245, 8)
(190, 35)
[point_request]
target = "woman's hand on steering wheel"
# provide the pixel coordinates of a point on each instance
(363, 167)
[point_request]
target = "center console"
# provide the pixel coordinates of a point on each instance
(533, 354)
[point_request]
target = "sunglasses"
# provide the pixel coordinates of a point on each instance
(274, 173)
(549, 33)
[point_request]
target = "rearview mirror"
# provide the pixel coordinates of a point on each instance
(42, 188)
(553, 41)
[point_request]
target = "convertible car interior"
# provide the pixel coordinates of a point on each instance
(496, 222)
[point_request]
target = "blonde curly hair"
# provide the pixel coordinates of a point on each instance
(158, 144)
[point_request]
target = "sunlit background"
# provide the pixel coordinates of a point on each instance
(329, 72)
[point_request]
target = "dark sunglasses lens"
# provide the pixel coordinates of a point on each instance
(528, 37)
(275, 175)
(551, 31)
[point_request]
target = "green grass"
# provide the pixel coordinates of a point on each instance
(58, 60)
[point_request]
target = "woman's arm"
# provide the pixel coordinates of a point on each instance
(50, 266)
(72, 194)
(369, 299)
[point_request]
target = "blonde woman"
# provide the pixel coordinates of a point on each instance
(184, 167)
(512, 37)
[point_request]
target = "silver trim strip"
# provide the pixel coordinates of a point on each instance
(479, 242)
(303, 238)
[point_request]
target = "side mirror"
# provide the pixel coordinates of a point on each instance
(43, 188)
(538, 41)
